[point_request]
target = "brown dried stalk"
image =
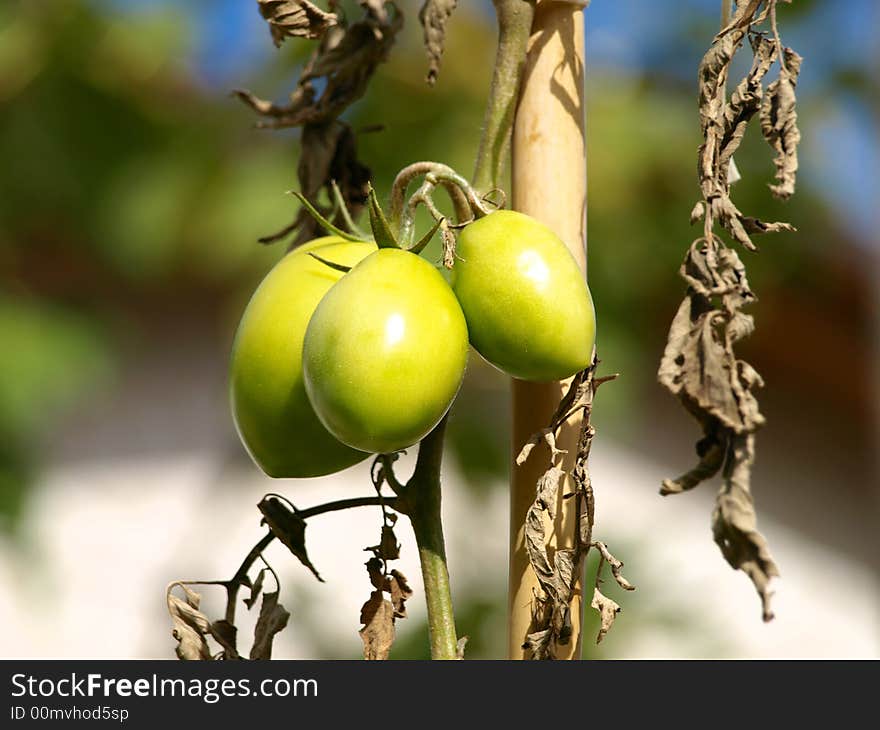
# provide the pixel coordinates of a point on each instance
(434, 16)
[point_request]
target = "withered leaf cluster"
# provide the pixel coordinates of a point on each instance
(191, 627)
(558, 574)
(335, 76)
(699, 364)
(379, 613)
(190, 624)
(723, 121)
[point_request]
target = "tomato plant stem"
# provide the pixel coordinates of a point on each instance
(424, 510)
(514, 26)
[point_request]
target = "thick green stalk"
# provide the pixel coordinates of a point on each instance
(424, 510)
(514, 26)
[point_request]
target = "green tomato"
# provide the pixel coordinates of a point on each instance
(385, 352)
(272, 413)
(529, 311)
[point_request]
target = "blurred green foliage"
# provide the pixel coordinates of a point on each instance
(50, 358)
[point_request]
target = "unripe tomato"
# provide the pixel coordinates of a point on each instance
(385, 352)
(272, 413)
(529, 311)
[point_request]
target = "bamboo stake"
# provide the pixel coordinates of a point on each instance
(549, 183)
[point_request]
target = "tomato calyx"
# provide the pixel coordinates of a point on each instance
(332, 264)
(396, 229)
(379, 224)
(357, 236)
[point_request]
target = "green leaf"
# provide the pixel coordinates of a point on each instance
(339, 199)
(426, 239)
(331, 264)
(325, 224)
(385, 238)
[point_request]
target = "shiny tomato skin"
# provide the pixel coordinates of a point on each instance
(526, 301)
(272, 413)
(385, 352)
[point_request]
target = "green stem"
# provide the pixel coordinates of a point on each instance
(424, 510)
(402, 214)
(514, 27)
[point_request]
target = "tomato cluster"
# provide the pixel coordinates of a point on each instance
(347, 349)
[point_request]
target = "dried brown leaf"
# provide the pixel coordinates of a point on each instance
(288, 527)
(734, 523)
(540, 643)
(189, 624)
(272, 619)
(328, 157)
(376, 573)
(256, 588)
(742, 16)
(389, 548)
(711, 452)
(536, 548)
(608, 611)
(779, 124)
(724, 122)
(261, 106)
(377, 633)
(546, 435)
(615, 565)
(225, 634)
(319, 143)
(345, 60)
(706, 376)
(295, 19)
(400, 592)
(376, 9)
(434, 16)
